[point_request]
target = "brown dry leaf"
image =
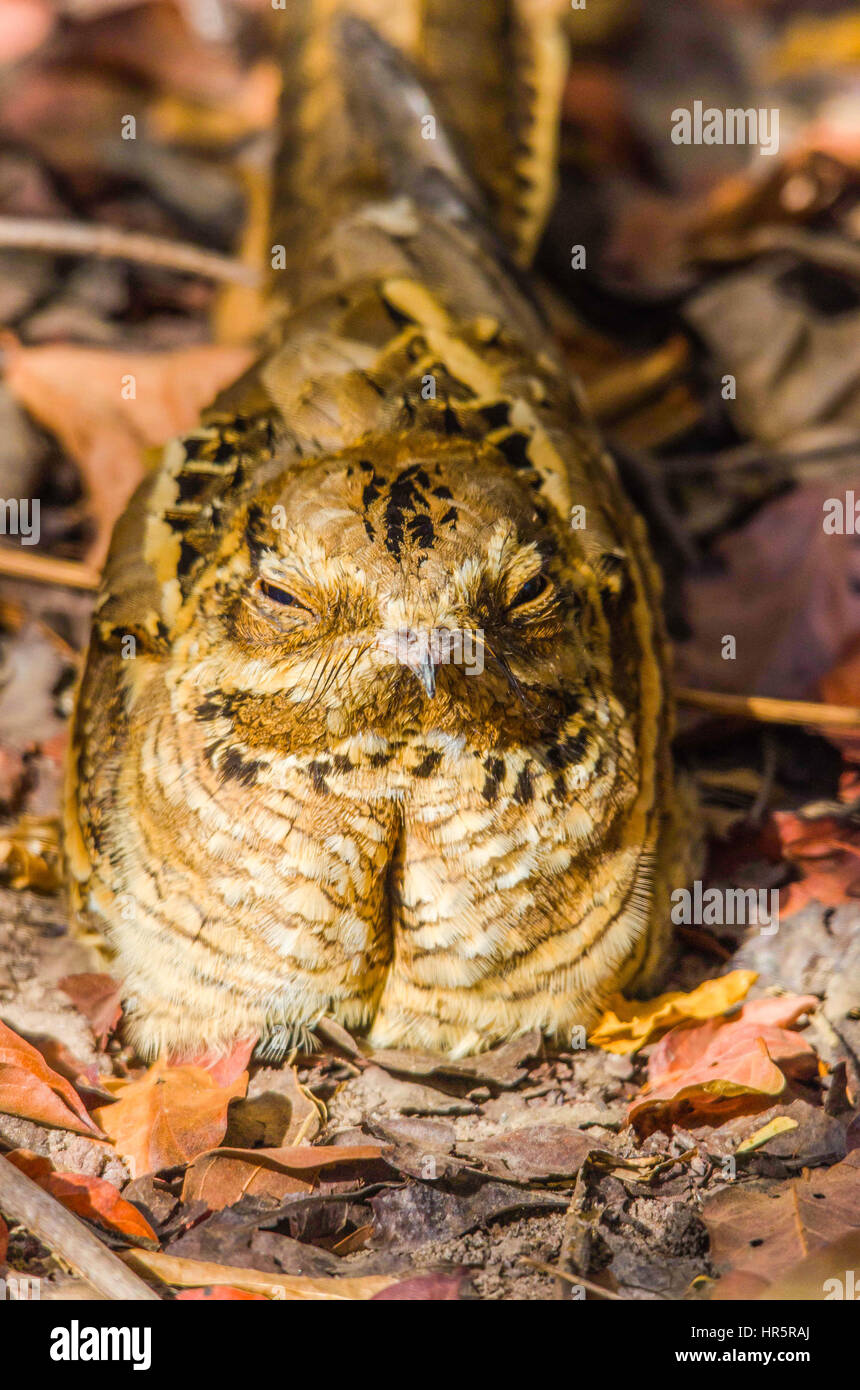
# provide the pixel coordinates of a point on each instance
(171, 1269)
(503, 1067)
(92, 1198)
(78, 393)
(278, 1112)
(629, 1024)
(534, 1153)
(725, 1067)
(224, 1176)
(757, 1236)
(31, 1090)
(168, 1116)
(97, 997)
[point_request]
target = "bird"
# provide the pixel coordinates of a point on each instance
(375, 718)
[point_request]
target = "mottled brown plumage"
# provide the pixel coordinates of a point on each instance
(293, 799)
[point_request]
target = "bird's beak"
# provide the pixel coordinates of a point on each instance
(425, 672)
(415, 649)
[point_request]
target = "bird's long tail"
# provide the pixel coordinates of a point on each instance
(476, 100)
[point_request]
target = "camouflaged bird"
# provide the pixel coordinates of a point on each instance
(295, 799)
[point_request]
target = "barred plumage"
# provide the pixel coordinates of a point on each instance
(290, 801)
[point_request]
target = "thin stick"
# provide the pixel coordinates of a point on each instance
(92, 239)
(766, 710)
(571, 1278)
(23, 1200)
(44, 569)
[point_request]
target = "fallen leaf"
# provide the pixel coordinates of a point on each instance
(532, 1154)
(97, 997)
(825, 853)
(503, 1066)
(277, 1113)
(828, 1273)
(757, 1236)
(196, 1274)
(168, 1116)
(779, 1125)
(629, 1024)
(4, 1241)
(411, 1215)
(31, 1090)
(377, 1088)
(725, 1067)
(223, 1176)
(786, 591)
(80, 395)
(426, 1288)
(223, 1067)
(92, 1198)
(220, 1293)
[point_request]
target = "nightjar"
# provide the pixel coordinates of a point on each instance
(374, 719)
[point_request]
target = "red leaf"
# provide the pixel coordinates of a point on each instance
(223, 1067)
(725, 1066)
(92, 1198)
(30, 1089)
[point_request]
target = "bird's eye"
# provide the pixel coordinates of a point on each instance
(532, 589)
(277, 595)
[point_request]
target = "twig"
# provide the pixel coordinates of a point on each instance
(766, 710)
(44, 569)
(23, 1200)
(93, 239)
(571, 1278)
(831, 252)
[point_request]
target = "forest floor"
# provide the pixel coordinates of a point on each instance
(705, 1145)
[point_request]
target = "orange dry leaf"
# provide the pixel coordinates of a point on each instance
(168, 1116)
(222, 1066)
(826, 853)
(84, 396)
(629, 1024)
(221, 1178)
(92, 1198)
(30, 1089)
(725, 1067)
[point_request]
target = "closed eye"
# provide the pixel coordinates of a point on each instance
(282, 596)
(532, 589)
